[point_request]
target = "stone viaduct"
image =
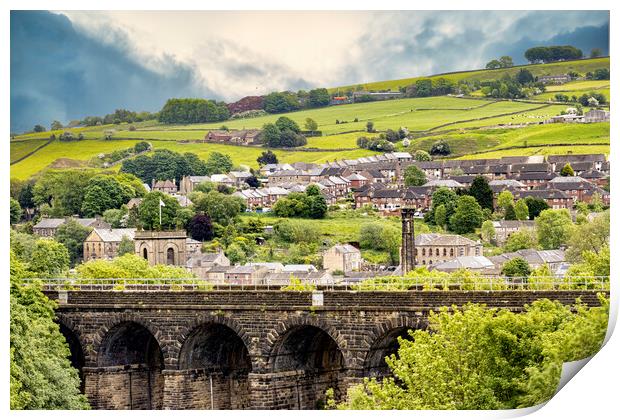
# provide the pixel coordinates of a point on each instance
(246, 349)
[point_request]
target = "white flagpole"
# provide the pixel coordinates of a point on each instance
(160, 214)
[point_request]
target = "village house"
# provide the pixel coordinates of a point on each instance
(554, 79)
(596, 115)
(342, 258)
(558, 161)
(242, 137)
(357, 180)
(188, 183)
(479, 264)
(533, 180)
(434, 248)
(47, 227)
(239, 177)
(576, 187)
(505, 228)
(166, 186)
(556, 199)
(245, 274)
(200, 264)
(223, 179)
(102, 243)
(553, 258)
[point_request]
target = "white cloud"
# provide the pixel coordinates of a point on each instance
(243, 53)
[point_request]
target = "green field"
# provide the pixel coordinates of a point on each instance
(580, 66)
(545, 151)
(19, 149)
(470, 141)
(577, 88)
(463, 122)
(61, 154)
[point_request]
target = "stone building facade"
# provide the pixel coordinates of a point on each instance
(162, 247)
(343, 258)
(433, 248)
(102, 244)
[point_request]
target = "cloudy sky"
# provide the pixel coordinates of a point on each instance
(67, 65)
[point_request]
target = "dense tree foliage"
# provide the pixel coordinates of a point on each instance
(522, 239)
(482, 192)
(149, 211)
(267, 157)
(516, 267)
(414, 176)
(15, 211)
(42, 377)
(296, 231)
(279, 102)
(72, 235)
(440, 148)
(192, 111)
(164, 164)
(535, 206)
(479, 358)
(381, 237)
(318, 98)
(126, 246)
(375, 143)
(200, 228)
(552, 53)
(467, 216)
(104, 192)
(221, 208)
(129, 266)
(48, 258)
(567, 170)
(218, 163)
(554, 228)
(310, 204)
(590, 236)
(442, 196)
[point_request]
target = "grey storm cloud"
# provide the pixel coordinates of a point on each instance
(60, 71)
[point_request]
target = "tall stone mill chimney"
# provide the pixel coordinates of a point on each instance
(407, 250)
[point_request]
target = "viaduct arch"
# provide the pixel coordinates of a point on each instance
(246, 349)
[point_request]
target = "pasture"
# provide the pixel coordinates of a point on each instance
(580, 66)
(547, 135)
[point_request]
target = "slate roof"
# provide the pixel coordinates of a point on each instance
(114, 235)
(433, 239)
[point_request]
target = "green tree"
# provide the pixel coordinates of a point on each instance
(591, 236)
(311, 125)
(482, 192)
(488, 231)
(510, 213)
(318, 98)
(221, 208)
(218, 163)
(516, 267)
(129, 266)
(554, 228)
(200, 228)
(414, 176)
(476, 358)
(493, 64)
(48, 258)
(267, 157)
(440, 147)
(63, 190)
(567, 170)
(56, 125)
(126, 246)
(441, 218)
(506, 61)
(15, 210)
(522, 239)
(521, 210)
(444, 196)
(422, 156)
(104, 192)
(38, 128)
(285, 123)
(596, 52)
(42, 377)
(535, 206)
(72, 235)
(467, 216)
(504, 200)
(370, 127)
(149, 210)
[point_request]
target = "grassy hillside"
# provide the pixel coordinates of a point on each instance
(577, 88)
(580, 66)
(516, 139)
(463, 122)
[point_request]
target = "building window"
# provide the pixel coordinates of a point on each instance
(423, 252)
(445, 252)
(436, 252)
(170, 256)
(452, 252)
(145, 253)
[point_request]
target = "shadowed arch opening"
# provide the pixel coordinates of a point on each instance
(307, 362)
(215, 364)
(133, 362)
(375, 365)
(76, 357)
